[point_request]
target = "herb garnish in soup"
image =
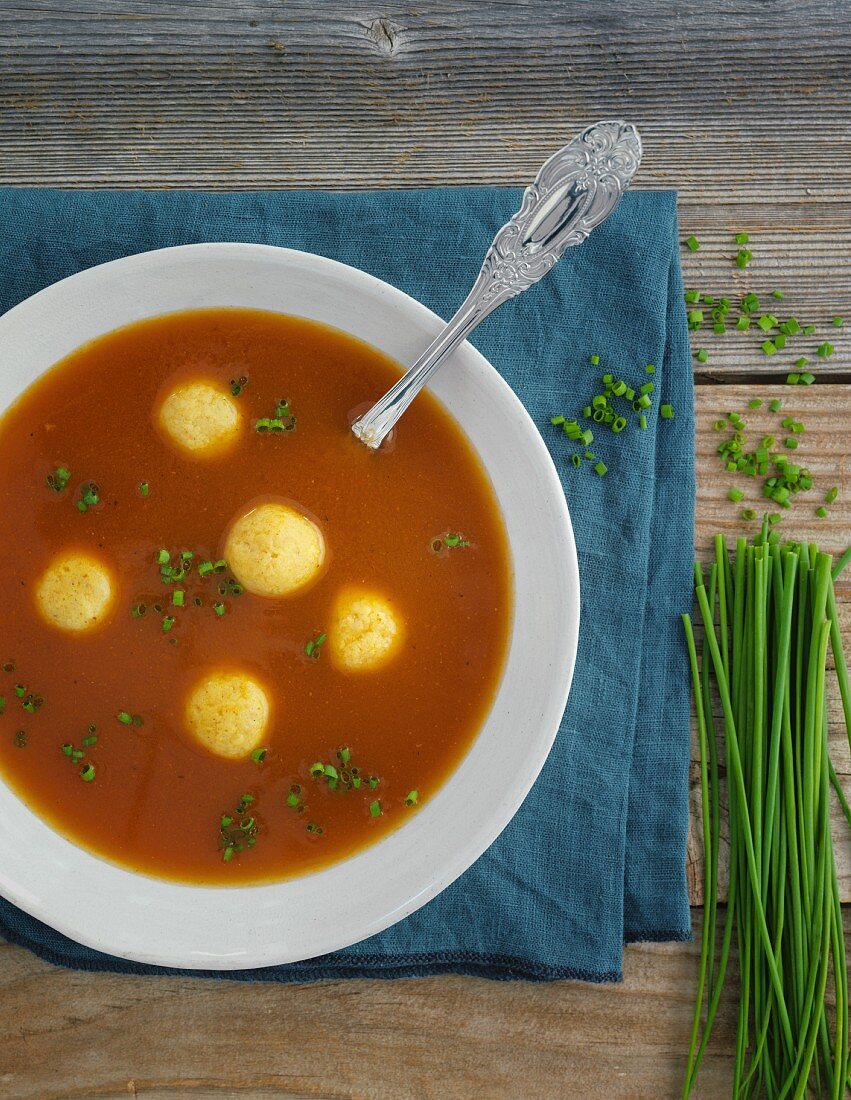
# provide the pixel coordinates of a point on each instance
(237, 644)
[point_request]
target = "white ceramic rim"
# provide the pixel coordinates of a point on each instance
(170, 924)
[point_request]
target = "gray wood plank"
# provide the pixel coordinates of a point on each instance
(742, 107)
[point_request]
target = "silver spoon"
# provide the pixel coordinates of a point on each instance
(575, 190)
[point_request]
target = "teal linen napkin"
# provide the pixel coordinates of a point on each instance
(596, 854)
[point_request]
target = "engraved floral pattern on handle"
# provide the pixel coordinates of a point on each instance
(575, 190)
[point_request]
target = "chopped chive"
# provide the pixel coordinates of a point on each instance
(824, 351)
(124, 718)
(649, 369)
(777, 294)
(702, 355)
(735, 495)
(692, 243)
(806, 379)
(87, 742)
(755, 403)
(375, 808)
(791, 443)
(776, 405)
(259, 755)
(838, 322)
(743, 323)
(748, 514)
(595, 360)
(144, 488)
(177, 597)
(601, 468)
(167, 623)
(741, 238)
(87, 773)
(219, 609)
(831, 495)
(743, 258)
(666, 412)
(768, 347)
(412, 797)
(821, 511)
(163, 557)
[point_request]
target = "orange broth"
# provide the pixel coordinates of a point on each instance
(157, 798)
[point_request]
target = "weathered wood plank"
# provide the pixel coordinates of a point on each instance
(65, 1034)
(731, 100)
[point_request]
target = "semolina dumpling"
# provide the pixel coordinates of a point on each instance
(227, 713)
(273, 550)
(75, 592)
(365, 632)
(199, 417)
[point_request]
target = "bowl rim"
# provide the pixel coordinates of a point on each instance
(14, 885)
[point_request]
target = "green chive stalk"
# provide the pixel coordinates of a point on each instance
(768, 617)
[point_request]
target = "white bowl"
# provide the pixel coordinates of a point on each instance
(154, 921)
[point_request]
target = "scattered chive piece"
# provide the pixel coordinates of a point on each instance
(741, 238)
(776, 405)
(831, 495)
(375, 808)
(642, 421)
(743, 323)
(824, 351)
(791, 443)
(692, 243)
(692, 296)
(595, 360)
(807, 379)
(177, 597)
(793, 379)
(237, 385)
(168, 623)
(649, 369)
(87, 773)
(702, 355)
(808, 330)
(777, 294)
(163, 557)
(838, 322)
(748, 514)
(59, 478)
(735, 495)
(601, 468)
(576, 460)
(124, 718)
(821, 511)
(768, 347)
(755, 403)
(743, 258)
(144, 488)
(259, 755)
(412, 797)
(20, 690)
(666, 412)
(89, 741)
(219, 609)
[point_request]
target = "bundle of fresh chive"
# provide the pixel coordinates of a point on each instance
(769, 616)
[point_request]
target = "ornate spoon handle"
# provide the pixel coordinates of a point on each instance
(575, 190)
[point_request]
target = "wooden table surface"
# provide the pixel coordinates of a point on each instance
(743, 107)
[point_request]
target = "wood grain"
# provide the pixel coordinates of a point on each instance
(65, 1034)
(744, 109)
(730, 98)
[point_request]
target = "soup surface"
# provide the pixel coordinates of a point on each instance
(348, 699)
